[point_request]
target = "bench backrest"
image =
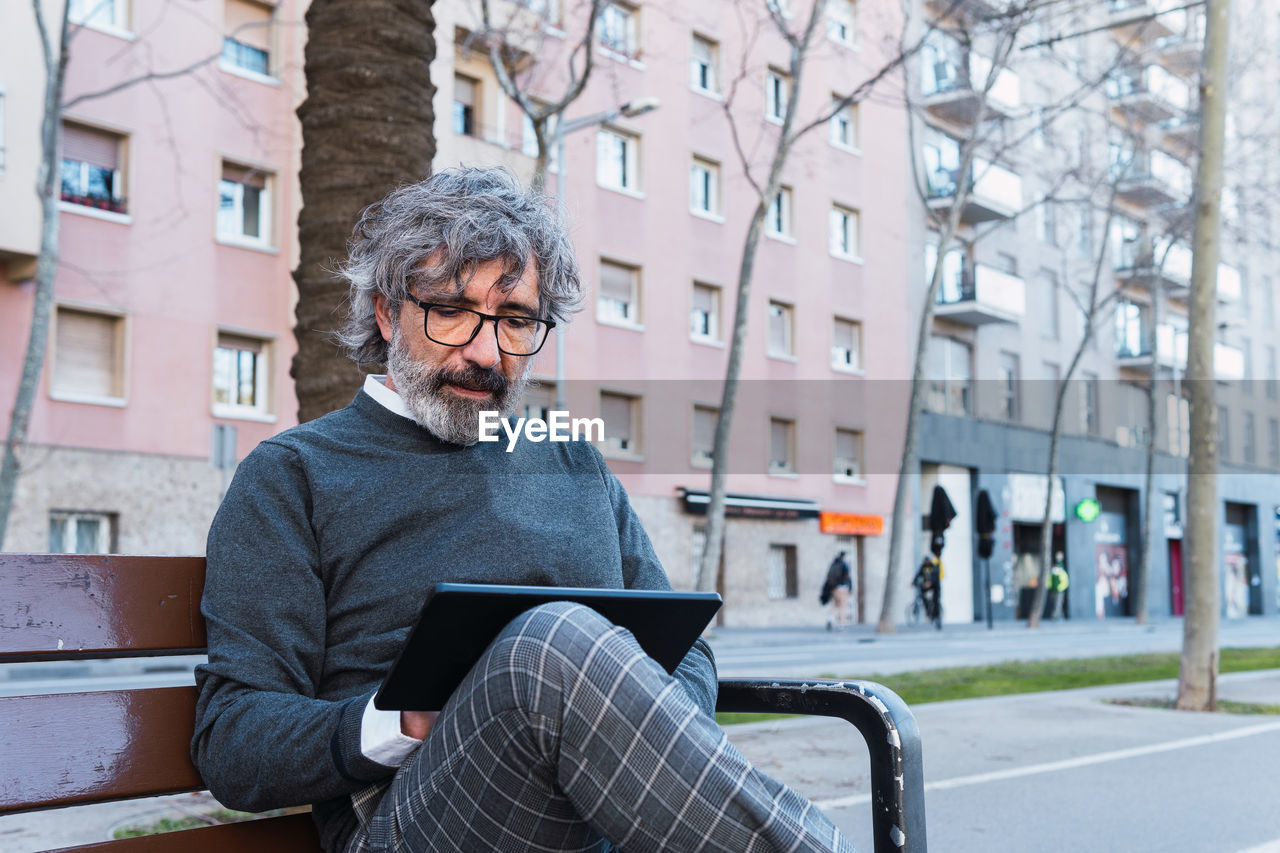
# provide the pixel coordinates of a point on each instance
(75, 748)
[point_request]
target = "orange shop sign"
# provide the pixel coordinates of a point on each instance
(850, 524)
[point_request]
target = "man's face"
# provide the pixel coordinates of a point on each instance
(444, 387)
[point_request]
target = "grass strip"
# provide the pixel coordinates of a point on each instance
(1013, 677)
(1226, 706)
(177, 824)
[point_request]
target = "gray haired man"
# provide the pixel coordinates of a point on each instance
(565, 736)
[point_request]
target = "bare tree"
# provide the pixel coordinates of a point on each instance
(366, 127)
(801, 46)
(1198, 671)
(511, 55)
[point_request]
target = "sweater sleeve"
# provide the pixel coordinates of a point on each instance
(641, 569)
(263, 738)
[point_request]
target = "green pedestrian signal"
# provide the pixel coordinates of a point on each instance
(1088, 510)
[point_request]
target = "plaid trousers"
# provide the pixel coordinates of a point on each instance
(566, 736)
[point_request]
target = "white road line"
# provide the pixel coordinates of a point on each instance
(1072, 763)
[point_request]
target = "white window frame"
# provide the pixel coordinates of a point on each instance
(845, 233)
(617, 312)
(952, 386)
(235, 191)
(704, 189)
(71, 520)
(233, 67)
(782, 467)
(477, 132)
(777, 92)
(624, 16)
(612, 445)
(843, 359)
(711, 67)
(712, 336)
(841, 473)
(107, 16)
(618, 161)
(260, 408)
(120, 370)
(778, 222)
(837, 21)
(788, 313)
(119, 177)
(846, 118)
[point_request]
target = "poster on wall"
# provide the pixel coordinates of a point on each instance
(1111, 580)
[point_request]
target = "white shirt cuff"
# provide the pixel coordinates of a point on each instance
(381, 739)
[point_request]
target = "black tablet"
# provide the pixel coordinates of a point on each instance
(460, 620)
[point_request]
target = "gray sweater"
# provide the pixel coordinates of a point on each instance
(319, 560)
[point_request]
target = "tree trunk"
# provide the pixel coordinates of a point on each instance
(1198, 670)
(366, 128)
(55, 58)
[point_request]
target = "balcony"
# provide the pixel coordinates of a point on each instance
(977, 9)
(952, 81)
(1171, 349)
(1182, 52)
(1182, 130)
(1228, 363)
(1148, 94)
(1145, 21)
(1154, 264)
(1150, 178)
(976, 294)
(996, 192)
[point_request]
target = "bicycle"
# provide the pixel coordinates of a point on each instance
(918, 610)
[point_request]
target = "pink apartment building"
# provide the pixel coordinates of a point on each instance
(171, 335)
(659, 206)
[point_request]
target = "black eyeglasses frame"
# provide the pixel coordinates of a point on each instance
(426, 312)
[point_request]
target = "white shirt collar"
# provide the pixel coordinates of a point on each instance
(376, 387)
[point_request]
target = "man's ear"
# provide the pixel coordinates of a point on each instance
(383, 314)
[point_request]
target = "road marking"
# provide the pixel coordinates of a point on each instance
(1071, 764)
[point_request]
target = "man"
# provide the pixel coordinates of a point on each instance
(928, 580)
(564, 736)
(839, 584)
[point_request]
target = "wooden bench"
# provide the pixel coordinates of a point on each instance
(77, 748)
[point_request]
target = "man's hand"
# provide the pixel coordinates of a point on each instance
(416, 724)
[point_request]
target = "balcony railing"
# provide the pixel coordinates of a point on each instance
(996, 192)
(1148, 93)
(1150, 177)
(1146, 19)
(952, 80)
(977, 294)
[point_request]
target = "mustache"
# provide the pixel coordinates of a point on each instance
(478, 378)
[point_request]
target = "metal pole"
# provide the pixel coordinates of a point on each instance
(986, 571)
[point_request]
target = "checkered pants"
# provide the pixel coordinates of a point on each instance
(566, 736)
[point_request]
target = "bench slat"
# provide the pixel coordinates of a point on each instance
(293, 833)
(55, 606)
(66, 749)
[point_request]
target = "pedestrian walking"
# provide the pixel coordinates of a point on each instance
(836, 589)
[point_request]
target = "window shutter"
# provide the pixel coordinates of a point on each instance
(704, 299)
(844, 335)
(616, 412)
(704, 428)
(244, 175)
(88, 145)
(846, 445)
(780, 442)
(616, 282)
(464, 90)
(87, 354)
(249, 23)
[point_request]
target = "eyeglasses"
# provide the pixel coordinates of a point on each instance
(454, 326)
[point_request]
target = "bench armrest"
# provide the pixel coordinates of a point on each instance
(886, 724)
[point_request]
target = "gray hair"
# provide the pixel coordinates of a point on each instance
(459, 218)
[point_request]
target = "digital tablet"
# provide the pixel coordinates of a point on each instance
(460, 620)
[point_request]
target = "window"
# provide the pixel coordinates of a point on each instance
(1273, 442)
(844, 125)
(100, 14)
(92, 168)
(1178, 413)
(466, 93)
(1010, 371)
(1246, 352)
(618, 30)
(780, 330)
(241, 376)
(783, 580)
(704, 187)
(778, 219)
(1224, 433)
(1047, 222)
(1051, 323)
(246, 40)
(1084, 233)
(617, 160)
(547, 10)
(1268, 285)
(777, 91)
(1089, 411)
(842, 22)
(619, 300)
(1250, 439)
(621, 415)
(704, 435)
(848, 456)
(1131, 330)
(88, 361)
(81, 533)
(949, 375)
(704, 318)
(846, 345)
(844, 232)
(704, 65)
(1271, 373)
(244, 205)
(782, 442)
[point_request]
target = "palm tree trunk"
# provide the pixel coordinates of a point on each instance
(366, 128)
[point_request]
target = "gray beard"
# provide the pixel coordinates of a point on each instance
(452, 419)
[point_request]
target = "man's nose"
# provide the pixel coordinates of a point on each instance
(483, 348)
